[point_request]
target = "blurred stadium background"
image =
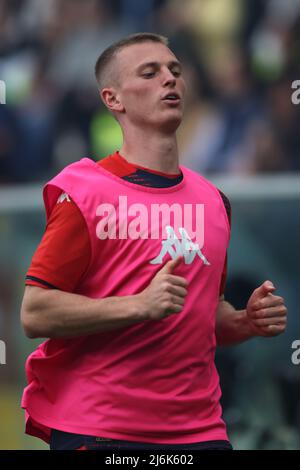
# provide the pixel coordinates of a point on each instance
(241, 130)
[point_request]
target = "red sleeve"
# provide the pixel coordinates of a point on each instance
(64, 252)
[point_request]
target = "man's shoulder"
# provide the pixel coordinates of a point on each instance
(198, 177)
(79, 165)
(74, 180)
(202, 180)
(76, 171)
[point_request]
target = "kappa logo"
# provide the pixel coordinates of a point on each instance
(175, 247)
(63, 197)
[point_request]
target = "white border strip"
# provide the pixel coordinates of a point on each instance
(260, 187)
(16, 198)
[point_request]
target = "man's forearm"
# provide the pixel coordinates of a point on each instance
(54, 313)
(51, 313)
(232, 326)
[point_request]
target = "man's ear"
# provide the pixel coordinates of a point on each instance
(111, 99)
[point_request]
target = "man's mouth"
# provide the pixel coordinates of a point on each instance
(172, 98)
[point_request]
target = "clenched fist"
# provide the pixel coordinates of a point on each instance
(165, 294)
(266, 312)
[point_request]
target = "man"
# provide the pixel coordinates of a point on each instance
(128, 281)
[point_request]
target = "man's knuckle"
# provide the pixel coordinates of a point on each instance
(256, 314)
(166, 304)
(257, 305)
(167, 286)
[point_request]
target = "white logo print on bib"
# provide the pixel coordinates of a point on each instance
(176, 247)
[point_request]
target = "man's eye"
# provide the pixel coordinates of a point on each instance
(148, 74)
(176, 73)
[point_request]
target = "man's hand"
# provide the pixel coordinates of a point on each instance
(165, 293)
(266, 313)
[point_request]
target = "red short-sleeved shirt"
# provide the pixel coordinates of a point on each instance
(66, 232)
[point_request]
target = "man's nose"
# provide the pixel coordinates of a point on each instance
(168, 77)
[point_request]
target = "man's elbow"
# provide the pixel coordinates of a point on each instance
(29, 324)
(32, 320)
(31, 333)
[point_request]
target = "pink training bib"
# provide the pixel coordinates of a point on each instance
(154, 381)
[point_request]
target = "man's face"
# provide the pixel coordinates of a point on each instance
(151, 87)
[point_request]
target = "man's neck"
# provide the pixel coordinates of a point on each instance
(155, 151)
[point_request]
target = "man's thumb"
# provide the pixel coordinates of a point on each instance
(169, 267)
(266, 288)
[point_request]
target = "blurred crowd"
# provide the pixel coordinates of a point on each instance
(240, 59)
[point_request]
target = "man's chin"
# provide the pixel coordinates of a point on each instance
(171, 124)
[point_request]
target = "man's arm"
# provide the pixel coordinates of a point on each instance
(232, 326)
(51, 313)
(264, 315)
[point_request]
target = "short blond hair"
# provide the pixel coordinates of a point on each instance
(103, 67)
